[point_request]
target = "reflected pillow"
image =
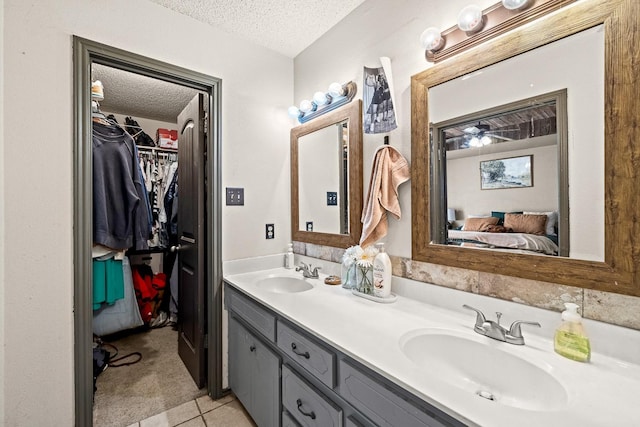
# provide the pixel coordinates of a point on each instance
(552, 220)
(500, 216)
(523, 223)
(479, 224)
(474, 216)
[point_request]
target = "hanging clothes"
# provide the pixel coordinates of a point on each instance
(120, 213)
(158, 170)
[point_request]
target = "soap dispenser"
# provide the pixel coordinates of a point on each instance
(381, 273)
(571, 339)
(288, 257)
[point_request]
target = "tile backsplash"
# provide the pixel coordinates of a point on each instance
(616, 309)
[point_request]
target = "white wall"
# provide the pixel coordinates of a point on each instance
(2, 217)
(37, 387)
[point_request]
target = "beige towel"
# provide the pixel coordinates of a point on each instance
(389, 170)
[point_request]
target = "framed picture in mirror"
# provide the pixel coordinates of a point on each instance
(512, 172)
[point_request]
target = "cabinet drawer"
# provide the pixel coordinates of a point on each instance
(382, 405)
(310, 355)
(256, 316)
(305, 404)
(287, 421)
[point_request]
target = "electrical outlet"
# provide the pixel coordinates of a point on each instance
(332, 198)
(309, 225)
(270, 231)
(235, 196)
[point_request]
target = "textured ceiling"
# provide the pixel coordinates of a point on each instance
(140, 96)
(287, 26)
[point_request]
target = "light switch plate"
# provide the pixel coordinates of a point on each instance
(235, 196)
(309, 226)
(332, 198)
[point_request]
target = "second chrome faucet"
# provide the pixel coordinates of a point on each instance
(307, 272)
(494, 330)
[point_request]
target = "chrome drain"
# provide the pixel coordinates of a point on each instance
(486, 395)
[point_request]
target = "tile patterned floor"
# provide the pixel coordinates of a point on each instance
(202, 412)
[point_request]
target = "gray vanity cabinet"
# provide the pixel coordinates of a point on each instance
(287, 421)
(254, 375)
(320, 362)
(306, 404)
(384, 405)
(317, 384)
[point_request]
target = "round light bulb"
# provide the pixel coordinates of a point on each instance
(294, 112)
(474, 142)
(470, 19)
(307, 106)
(320, 98)
(431, 39)
(514, 4)
(336, 89)
(485, 140)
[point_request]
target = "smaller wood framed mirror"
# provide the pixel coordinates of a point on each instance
(326, 178)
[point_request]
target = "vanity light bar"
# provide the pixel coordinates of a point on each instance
(475, 26)
(321, 102)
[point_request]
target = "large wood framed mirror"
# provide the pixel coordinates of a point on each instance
(611, 180)
(326, 178)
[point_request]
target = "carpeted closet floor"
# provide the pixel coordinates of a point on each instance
(157, 383)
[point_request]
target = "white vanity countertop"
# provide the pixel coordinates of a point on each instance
(601, 393)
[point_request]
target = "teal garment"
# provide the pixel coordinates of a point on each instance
(108, 282)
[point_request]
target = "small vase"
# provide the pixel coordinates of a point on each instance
(364, 279)
(348, 274)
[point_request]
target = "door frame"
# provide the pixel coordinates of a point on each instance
(85, 52)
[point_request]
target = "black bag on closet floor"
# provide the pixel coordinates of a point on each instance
(103, 358)
(100, 363)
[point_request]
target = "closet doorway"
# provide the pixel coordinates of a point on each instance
(198, 243)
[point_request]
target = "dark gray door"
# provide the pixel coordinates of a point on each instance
(191, 235)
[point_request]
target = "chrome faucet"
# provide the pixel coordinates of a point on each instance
(494, 330)
(307, 272)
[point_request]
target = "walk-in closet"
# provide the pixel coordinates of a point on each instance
(138, 241)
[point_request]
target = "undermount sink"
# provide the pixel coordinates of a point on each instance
(483, 369)
(284, 284)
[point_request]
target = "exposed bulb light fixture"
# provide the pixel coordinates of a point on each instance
(294, 112)
(431, 39)
(514, 4)
(336, 89)
(475, 25)
(322, 102)
(307, 106)
(321, 98)
(470, 19)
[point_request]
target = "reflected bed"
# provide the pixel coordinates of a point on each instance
(523, 241)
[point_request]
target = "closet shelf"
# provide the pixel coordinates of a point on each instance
(157, 149)
(156, 250)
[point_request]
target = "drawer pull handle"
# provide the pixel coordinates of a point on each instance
(306, 354)
(252, 348)
(311, 414)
